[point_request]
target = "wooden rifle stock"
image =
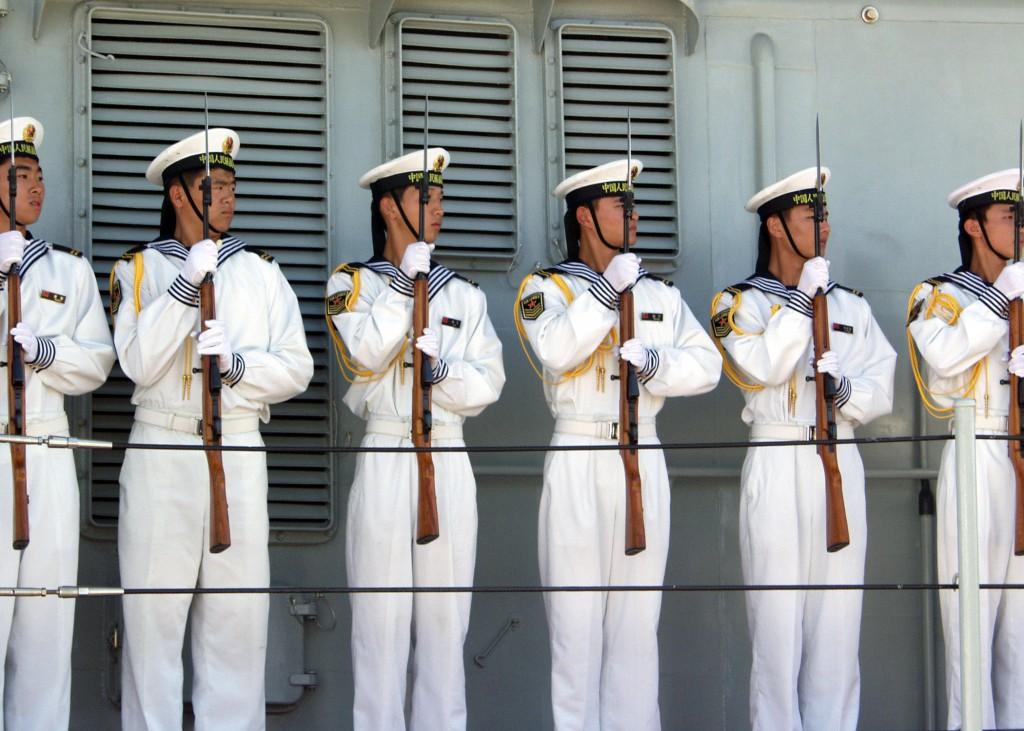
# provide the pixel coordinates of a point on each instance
(629, 394)
(1014, 425)
(427, 528)
(837, 532)
(220, 526)
(16, 411)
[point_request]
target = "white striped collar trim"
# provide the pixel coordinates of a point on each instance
(770, 285)
(34, 251)
(438, 276)
(577, 268)
(229, 246)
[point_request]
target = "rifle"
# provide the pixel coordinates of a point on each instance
(629, 387)
(220, 526)
(16, 367)
(837, 532)
(1016, 384)
(427, 527)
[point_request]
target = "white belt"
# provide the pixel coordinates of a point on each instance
(403, 429)
(239, 424)
(793, 432)
(602, 429)
(984, 423)
(42, 427)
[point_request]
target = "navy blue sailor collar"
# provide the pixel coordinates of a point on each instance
(770, 284)
(229, 246)
(437, 278)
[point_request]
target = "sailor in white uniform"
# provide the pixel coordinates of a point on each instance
(805, 672)
(67, 352)
(604, 646)
(163, 531)
(369, 309)
(958, 321)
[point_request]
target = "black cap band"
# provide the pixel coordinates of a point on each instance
(21, 149)
(220, 160)
(806, 197)
(598, 190)
(988, 198)
(404, 180)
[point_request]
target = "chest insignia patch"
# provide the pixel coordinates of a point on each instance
(336, 303)
(53, 297)
(532, 306)
(841, 328)
(652, 316)
(451, 322)
(720, 324)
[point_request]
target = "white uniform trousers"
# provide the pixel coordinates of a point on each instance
(381, 550)
(163, 541)
(805, 672)
(604, 645)
(1002, 611)
(36, 631)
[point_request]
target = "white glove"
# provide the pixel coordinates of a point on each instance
(622, 271)
(1010, 281)
(28, 341)
(202, 259)
(1016, 364)
(416, 259)
(214, 341)
(814, 276)
(12, 247)
(829, 363)
(635, 352)
(429, 343)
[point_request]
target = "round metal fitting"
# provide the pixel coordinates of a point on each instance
(869, 14)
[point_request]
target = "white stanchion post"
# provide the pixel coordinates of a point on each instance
(967, 546)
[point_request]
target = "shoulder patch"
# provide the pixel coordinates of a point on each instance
(656, 278)
(335, 303)
(348, 268)
(127, 256)
(465, 279)
(740, 287)
(67, 250)
(115, 296)
(915, 311)
(532, 306)
(851, 290)
(260, 253)
(720, 324)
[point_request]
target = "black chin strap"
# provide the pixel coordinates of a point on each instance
(984, 233)
(401, 211)
(199, 214)
(8, 214)
(782, 220)
(597, 227)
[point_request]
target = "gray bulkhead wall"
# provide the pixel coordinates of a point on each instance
(910, 107)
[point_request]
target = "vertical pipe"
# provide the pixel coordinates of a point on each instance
(926, 509)
(967, 547)
(762, 56)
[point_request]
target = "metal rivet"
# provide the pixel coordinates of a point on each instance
(869, 14)
(80, 162)
(81, 213)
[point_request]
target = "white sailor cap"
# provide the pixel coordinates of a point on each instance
(605, 180)
(799, 189)
(1001, 187)
(407, 170)
(190, 154)
(27, 137)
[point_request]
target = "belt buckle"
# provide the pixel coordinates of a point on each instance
(613, 431)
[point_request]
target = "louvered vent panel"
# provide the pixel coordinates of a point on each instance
(606, 71)
(266, 80)
(468, 71)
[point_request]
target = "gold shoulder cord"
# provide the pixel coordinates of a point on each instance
(598, 355)
(349, 370)
(945, 304)
(728, 367)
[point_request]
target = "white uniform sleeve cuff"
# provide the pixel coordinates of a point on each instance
(402, 284)
(996, 301)
(45, 356)
(651, 367)
(234, 375)
(800, 302)
(184, 291)
(605, 293)
(843, 392)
